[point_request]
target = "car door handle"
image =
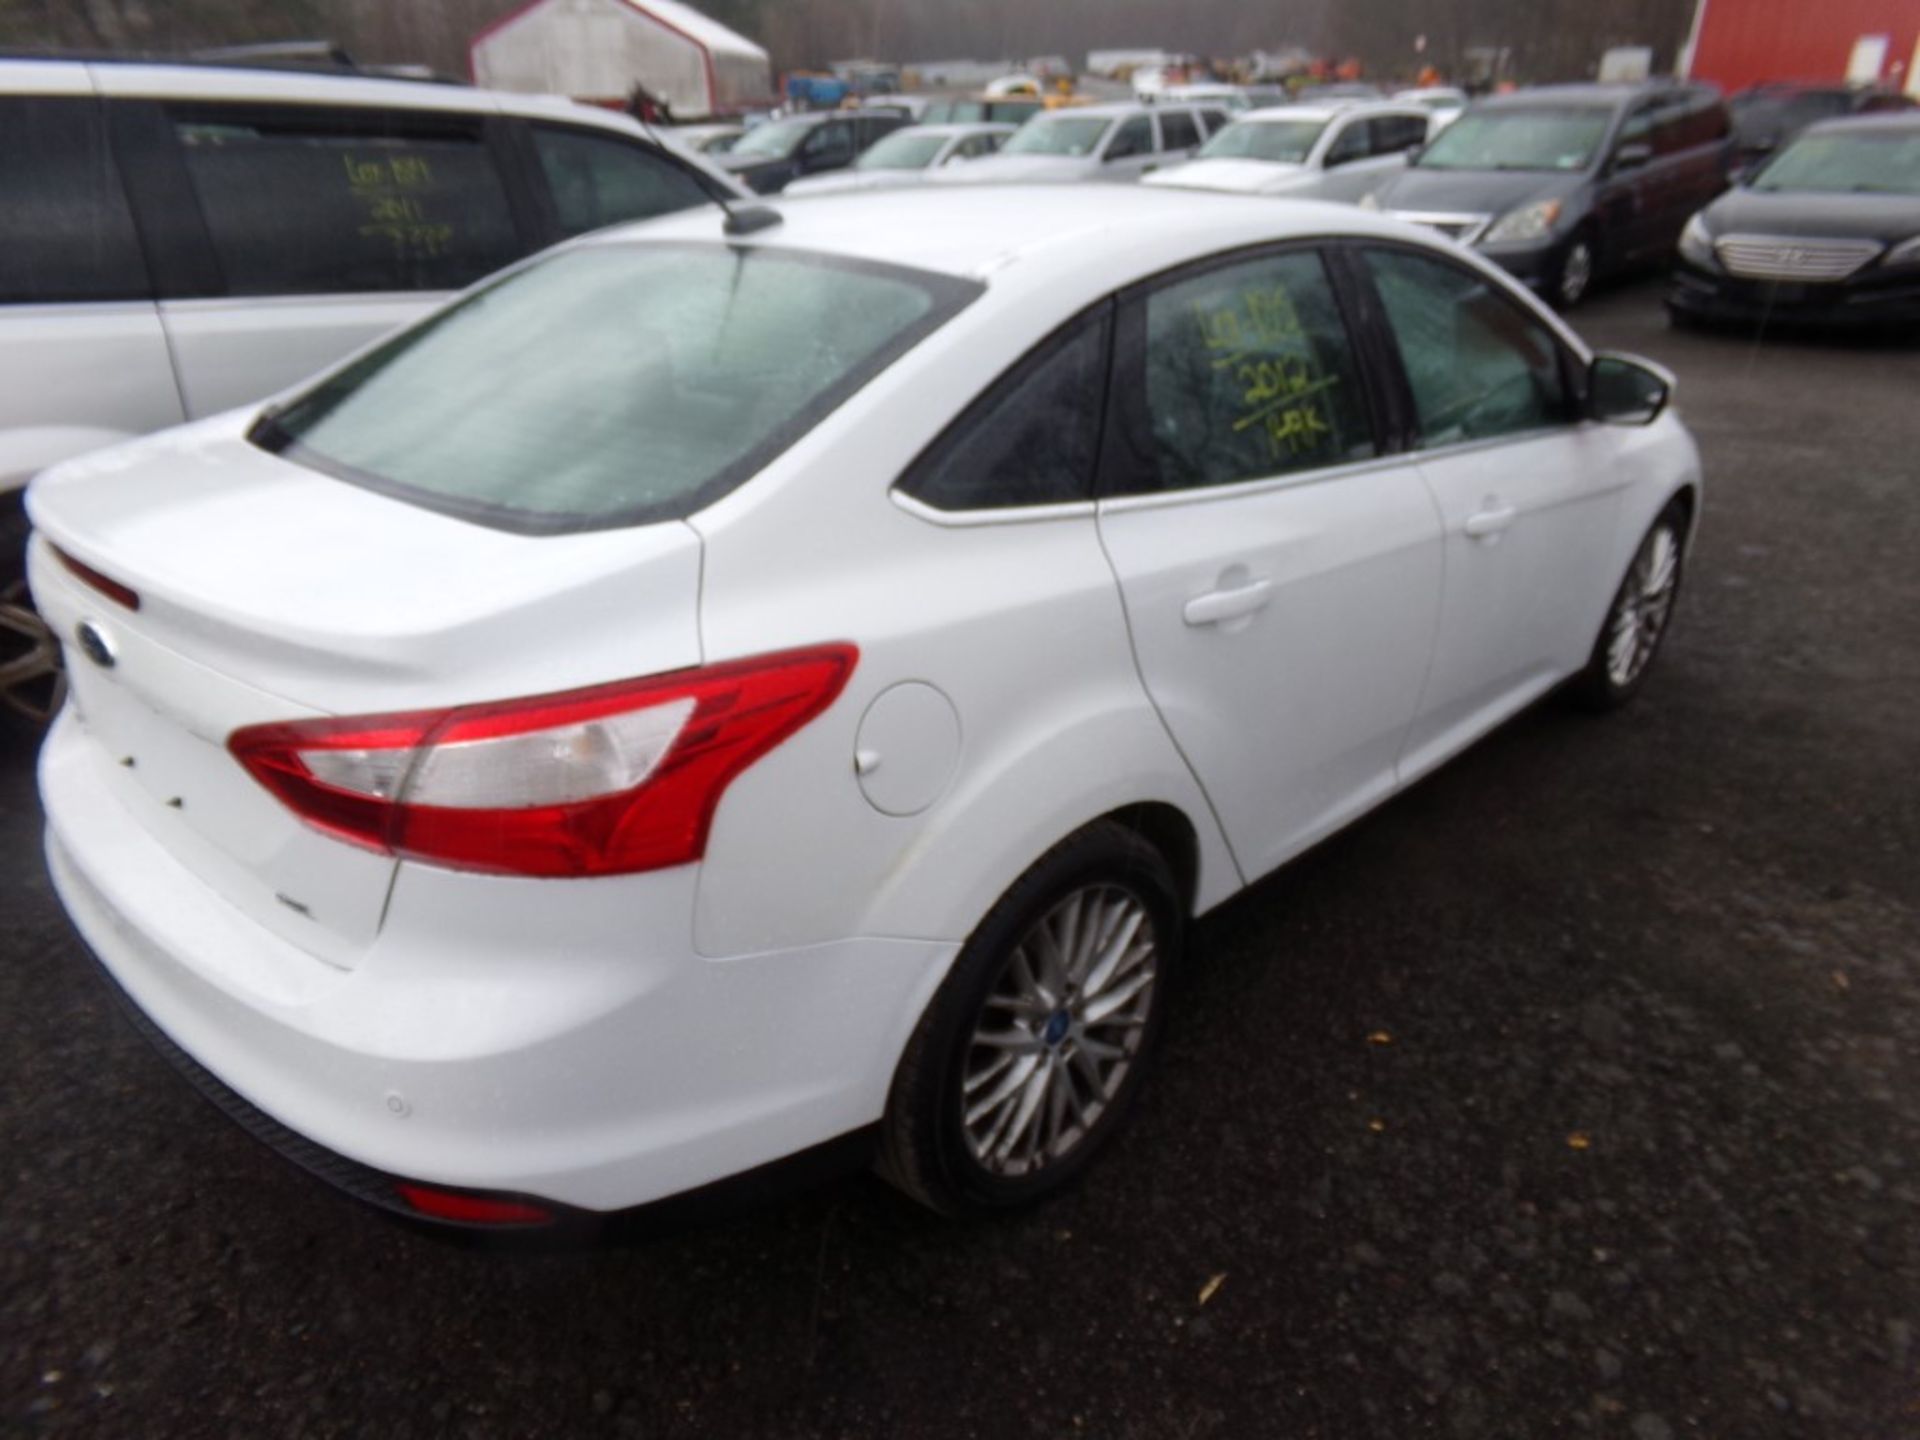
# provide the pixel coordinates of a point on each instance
(1485, 523)
(1217, 606)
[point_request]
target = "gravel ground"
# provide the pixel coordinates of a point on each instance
(1572, 1093)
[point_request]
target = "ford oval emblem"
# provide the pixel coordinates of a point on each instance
(94, 641)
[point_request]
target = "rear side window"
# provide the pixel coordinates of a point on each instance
(1244, 371)
(1032, 439)
(597, 180)
(1479, 366)
(299, 204)
(1390, 134)
(65, 232)
(613, 384)
(1177, 130)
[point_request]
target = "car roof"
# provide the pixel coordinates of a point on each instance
(1116, 108)
(1362, 109)
(963, 127)
(1901, 120)
(1074, 236)
(223, 81)
(1599, 96)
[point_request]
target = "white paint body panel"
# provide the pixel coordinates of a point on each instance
(610, 1041)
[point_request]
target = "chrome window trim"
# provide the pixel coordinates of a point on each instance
(989, 515)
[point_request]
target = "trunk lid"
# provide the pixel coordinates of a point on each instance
(270, 592)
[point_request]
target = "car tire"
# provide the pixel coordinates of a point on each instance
(1638, 618)
(976, 1125)
(1571, 279)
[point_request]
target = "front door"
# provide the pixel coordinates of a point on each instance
(1281, 574)
(1525, 493)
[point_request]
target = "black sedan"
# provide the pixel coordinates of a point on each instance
(1828, 232)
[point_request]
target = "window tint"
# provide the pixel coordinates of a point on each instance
(831, 144)
(65, 233)
(597, 180)
(1478, 365)
(1247, 371)
(1177, 130)
(1349, 144)
(1032, 438)
(1390, 134)
(302, 205)
(1216, 120)
(1134, 137)
(611, 384)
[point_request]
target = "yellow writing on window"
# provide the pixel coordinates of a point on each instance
(1258, 338)
(381, 186)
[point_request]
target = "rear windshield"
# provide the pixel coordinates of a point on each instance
(1516, 138)
(613, 384)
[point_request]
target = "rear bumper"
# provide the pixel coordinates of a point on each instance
(1873, 302)
(536, 1039)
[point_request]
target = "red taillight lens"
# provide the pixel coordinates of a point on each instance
(106, 585)
(472, 1209)
(605, 781)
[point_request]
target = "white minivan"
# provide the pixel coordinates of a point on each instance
(179, 239)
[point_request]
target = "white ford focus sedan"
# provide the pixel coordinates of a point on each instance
(721, 694)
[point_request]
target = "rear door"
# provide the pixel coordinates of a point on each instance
(83, 360)
(1280, 565)
(288, 235)
(1526, 493)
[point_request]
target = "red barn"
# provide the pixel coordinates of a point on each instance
(1736, 43)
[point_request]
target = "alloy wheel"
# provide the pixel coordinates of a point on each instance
(1646, 600)
(1060, 1030)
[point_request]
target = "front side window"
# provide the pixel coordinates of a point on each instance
(1244, 371)
(1349, 145)
(1478, 365)
(596, 180)
(297, 204)
(831, 144)
(612, 384)
(65, 232)
(1516, 137)
(1032, 438)
(1134, 137)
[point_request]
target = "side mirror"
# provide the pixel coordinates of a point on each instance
(1625, 390)
(1414, 152)
(1631, 157)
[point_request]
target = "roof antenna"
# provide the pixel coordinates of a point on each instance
(747, 219)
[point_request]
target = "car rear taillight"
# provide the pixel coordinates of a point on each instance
(105, 584)
(607, 781)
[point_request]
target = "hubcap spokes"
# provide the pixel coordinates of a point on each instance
(1060, 1030)
(1646, 600)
